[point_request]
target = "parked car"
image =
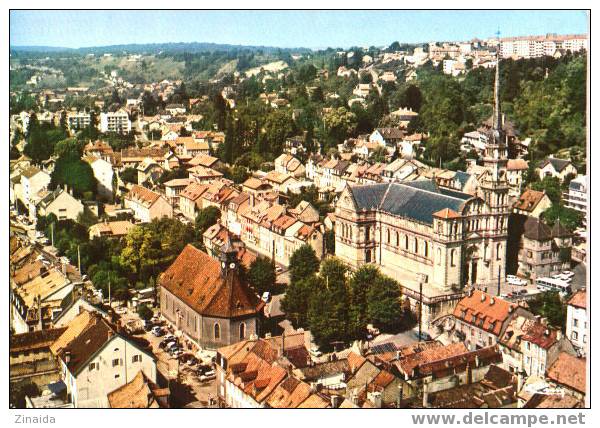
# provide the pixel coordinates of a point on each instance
(424, 336)
(278, 269)
(163, 343)
(314, 351)
(157, 331)
(176, 352)
(266, 296)
(208, 376)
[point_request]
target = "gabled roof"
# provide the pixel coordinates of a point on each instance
(196, 279)
(193, 191)
(143, 195)
(536, 230)
(579, 299)
(529, 199)
(517, 165)
(557, 164)
(140, 393)
(417, 200)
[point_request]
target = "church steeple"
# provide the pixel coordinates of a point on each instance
(497, 117)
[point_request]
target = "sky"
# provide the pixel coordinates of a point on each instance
(310, 29)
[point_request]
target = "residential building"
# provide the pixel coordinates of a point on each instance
(569, 373)
(189, 199)
(149, 171)
(577, 322)
(289, 165)
(147, 205)
(555, 167)
(95, 359)
(173, 188)
(537, 46)
(515, 168)
(111, 229)
(577, 195)
(117, 122)
(532, 203)
(59, 202)
(78, 120)
(103, 172)
(207, 300)
(33, 180)
(140, 393)
(543, 250)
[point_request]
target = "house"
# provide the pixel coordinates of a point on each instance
(543, 250)
(140, 393)
(555, 167)
(175, 109)
(389, 137)
(99, 149)
(103, 172)
(149, 170)
(569, 373)
(72, 306)
(147, 205)
(58, 202)
(280, 182)
(288, 164)
(529, 345)
(207, 300)
(189, 199)
(532, 203)
(480, 318)
(202, 174)
(78, 120)
(515, 168)
(173, 188)
(30, 359)
(95, 359)
(33, 180)
(577, 321)
(206, 161)
(576, 196)
(110, 229)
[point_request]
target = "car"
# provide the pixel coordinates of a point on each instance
(278, 269)
(163, 344)
(504, 296)
(169, 336)
(266, 297)
(175, 353)
(568, 273)
(208, 376)
(171, 345)
(203, 368)
(157, 331)
(314, 351)
(522, 292)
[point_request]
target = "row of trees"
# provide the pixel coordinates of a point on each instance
(336, 305)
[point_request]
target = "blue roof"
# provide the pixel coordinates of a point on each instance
(417, 200)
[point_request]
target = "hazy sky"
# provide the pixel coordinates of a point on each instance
(312, 29)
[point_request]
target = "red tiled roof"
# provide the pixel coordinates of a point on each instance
(529, 200)
(579, 299)
(143, 195)
(483, 311)
(446, 213)
(569, 371)
(196, 279)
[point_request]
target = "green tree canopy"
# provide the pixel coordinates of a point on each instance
(261, 275)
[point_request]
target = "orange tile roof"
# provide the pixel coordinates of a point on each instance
(569, 371)
(141, 194)
(579, 299)
(193, 191)
(517, 164)
(529, 200)
(195, 278)
(137, 394)
(483, 311)
(446, 213)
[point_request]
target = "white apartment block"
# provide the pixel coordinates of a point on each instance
(536, 46)
(78, 120)
(577, 322)
(117, 122)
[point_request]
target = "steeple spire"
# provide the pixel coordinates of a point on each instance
(497, 117)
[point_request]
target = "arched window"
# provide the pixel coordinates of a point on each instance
(388, 236)
(416, 243)
(217, 331)
(498, 251)
(439, 256)
(452, 252)
(242, 331)
(397, 239)
(406, 242)
(425, 249)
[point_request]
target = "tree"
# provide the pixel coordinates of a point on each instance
(339, 123)
(261, 275)
(141, 254)
(568, 217)
(383, 303)
(87, 217)
(206, 218)
(303, 263)
(550, 185)
(129, 175)
(295, 303)
(359, 285)
(76, 174)
(551, 306)
(145, 312)
(239, 174)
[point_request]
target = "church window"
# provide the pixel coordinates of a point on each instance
(368, 256)
(406, 242)
(439, 256)
(388, 236)
(498, 251)
(416, 246)
(242, 331)
(397, 239)
(217, 331)
(425, 249)
(452, 254)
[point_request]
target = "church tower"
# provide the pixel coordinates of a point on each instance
(493, 190)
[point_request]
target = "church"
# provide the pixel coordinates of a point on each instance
(435, 242)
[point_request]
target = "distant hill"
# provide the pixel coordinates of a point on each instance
(154, 48)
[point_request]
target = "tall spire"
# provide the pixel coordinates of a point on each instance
(497, 117)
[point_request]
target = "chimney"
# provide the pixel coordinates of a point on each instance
(67, 357)
(375, 399)
(559, 334)
(482, 297)
(491, 301)
(40, 320)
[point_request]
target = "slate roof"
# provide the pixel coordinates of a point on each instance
(557, 164)
(417, 200)
(195, 278)
(34, 340)
(462, 177)
(536, 230)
